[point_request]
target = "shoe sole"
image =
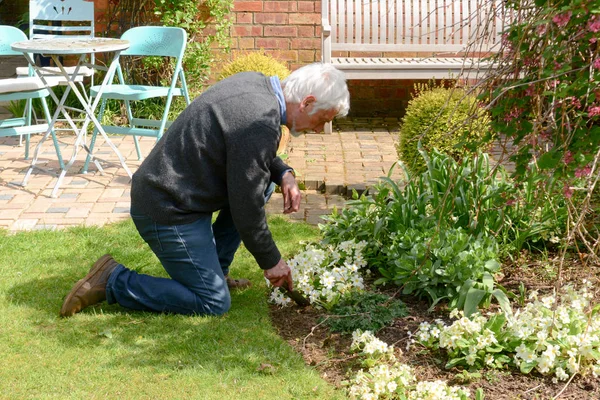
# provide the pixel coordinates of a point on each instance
(98, 265)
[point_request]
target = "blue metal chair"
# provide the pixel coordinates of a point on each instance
(145, 41)
(26, 88)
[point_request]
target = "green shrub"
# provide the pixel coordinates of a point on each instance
(446, 119)
(255, 62)
(367, 311)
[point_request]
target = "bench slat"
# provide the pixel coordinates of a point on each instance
(410, 68)
(409, 47)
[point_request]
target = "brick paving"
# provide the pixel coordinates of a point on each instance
(327, 167)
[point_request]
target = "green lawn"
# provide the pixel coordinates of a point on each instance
(109, 352)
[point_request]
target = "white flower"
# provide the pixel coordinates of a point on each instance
(544, 364)
(572, 365)
(530, 357)
(471, 358)
(548, 301)
(423, 336)
(596, 369)
(561, 374)
(522, 351)
(392, 386)
(552, 351)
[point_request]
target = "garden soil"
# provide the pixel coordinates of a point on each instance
(305, 331)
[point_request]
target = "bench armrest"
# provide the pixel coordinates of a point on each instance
(325, 27)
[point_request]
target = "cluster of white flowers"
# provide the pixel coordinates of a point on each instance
(381, 381)
(371, 347)
(324, 273)
(557, 335)
(395, 381)
(438, 390)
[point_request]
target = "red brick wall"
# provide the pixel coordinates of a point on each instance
(287, 30)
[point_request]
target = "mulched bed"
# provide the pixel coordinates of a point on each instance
(328, 352)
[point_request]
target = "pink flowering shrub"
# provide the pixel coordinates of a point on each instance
(545, 95)
(562, 20)
(594, 24)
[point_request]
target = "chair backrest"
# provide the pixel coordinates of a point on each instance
(8, 36)
(56, 18)
(165, 41)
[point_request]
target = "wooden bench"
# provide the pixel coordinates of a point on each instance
(410, 39)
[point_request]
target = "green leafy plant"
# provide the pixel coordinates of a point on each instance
(428, 235)
(365, 311)
(447, 119)
(440, 234)
(258, 62)
(440, 263)
(16, 108)
(473, 293)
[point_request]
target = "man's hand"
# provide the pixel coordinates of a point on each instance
(280, 275)
(291, 193)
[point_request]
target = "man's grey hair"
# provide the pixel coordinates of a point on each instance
(321, 80)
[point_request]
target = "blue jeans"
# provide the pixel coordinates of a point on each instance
(196, 256)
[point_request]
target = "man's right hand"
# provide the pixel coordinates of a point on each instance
(280, 275)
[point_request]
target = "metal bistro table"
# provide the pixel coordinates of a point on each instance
(82, 47)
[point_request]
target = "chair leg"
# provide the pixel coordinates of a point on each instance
(165, 117)
(54, 138)
(137, 147)
(184, 89)
(135, 138)
(28, 111)
(328, 127)
(27, 142)
(93, 141)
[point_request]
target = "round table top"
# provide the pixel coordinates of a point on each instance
(70, 46)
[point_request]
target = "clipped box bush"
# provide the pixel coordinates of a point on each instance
(447, 119)
(258, 62)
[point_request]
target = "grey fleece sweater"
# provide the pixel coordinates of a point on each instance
(219, 153)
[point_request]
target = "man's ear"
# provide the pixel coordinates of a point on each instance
(307, 101)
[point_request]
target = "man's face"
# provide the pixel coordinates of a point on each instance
(305, 120)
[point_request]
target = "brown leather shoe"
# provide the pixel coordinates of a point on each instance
(91, 289)
(237, 283)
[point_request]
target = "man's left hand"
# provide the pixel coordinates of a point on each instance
(291, 193)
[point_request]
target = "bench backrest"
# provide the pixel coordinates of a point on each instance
(414, 25)
(56, 18)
